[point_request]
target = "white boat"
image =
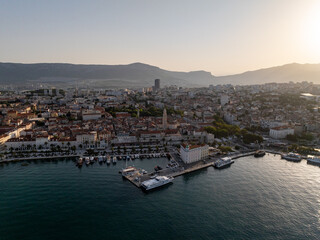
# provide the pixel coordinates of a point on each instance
(292, 157)
(108, 159)
(87, 160)
(156, 182)
(223, 162)
(313, 160)
(114, 160)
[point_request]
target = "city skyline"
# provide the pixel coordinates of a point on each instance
(219, 37)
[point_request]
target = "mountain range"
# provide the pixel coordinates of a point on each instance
(143, 75)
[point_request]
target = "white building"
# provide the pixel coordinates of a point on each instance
(193, 153)
(91, 115)
(281, 132)
(87, 139)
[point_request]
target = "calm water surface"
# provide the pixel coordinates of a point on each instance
(265, 198)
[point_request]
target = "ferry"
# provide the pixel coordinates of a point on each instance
(223, 162)
(156, 182)
(313, 160)
(259, 153)
(295, 157)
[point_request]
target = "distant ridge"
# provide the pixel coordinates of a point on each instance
(143, 75)
(290, 72)
(131, 75)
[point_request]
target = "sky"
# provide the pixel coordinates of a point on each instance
(222, 37)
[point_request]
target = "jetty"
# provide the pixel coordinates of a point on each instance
(136, 178)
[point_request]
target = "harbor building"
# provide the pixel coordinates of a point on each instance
(281, 132)
(193, 153)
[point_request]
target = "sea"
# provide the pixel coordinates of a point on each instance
(255, 198)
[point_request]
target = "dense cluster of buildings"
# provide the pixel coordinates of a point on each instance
(109, 118)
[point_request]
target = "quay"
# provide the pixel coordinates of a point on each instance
(137, 178)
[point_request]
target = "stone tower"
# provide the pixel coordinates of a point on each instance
(164, 119)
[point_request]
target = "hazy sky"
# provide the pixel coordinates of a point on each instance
(223, 37)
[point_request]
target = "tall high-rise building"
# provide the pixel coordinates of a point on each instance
(164, 119)
(156, 84)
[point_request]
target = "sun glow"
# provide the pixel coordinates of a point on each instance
(311, 31)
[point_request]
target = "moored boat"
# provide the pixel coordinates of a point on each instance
(259, 153)
(156, 182)
(313, 160)
(223, 162)
(87, 161)
(295, 157)
(80, 162)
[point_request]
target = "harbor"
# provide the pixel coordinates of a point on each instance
(175, 166)
(180, 168)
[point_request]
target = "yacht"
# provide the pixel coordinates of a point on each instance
(259, 153)
(87, 160)
(156, 182)
(223, 162)
(313, 160)
(114, 160)
(295, 157)
(108, 159)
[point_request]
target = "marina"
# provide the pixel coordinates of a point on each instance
(174, 168)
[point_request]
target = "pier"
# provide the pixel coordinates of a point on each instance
(137, 178)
